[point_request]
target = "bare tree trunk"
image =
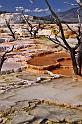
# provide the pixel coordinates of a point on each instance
(79, 57)
(74, 62)
(79, 63)
(2, 59)
(35, 32)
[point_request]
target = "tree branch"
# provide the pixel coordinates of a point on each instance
(56, 41)
(79, 2)
(8, 25)
(71, 29)
(58, 22)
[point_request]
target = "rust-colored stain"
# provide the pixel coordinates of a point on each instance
(63, 71)
(58, 63)
(48, 59)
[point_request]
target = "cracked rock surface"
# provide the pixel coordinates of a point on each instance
(40, 112)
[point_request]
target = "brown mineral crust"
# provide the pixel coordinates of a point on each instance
(47, 59)
(59, 63)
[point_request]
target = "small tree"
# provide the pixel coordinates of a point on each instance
(33, 30)
(72, 50)
(80, 46)
(3, 57)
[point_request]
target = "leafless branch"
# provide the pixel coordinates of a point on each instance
(8, 25)
(79, 2)
(78, 44)
(76, 63)
(32, 31)
(71, 29)
(58, 22)
(56, 41)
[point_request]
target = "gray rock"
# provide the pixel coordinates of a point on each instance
(40, 112)
(22, 118)
(74, 119)
(9, 39)
(20, 83)
(38, 80)
(2, 40)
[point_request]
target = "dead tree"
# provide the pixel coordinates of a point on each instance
(33, 30)
(9, 27)
(79, 50)
(72, 50)
(3, 58)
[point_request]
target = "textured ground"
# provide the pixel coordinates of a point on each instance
(31, 96)
(28, 102)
